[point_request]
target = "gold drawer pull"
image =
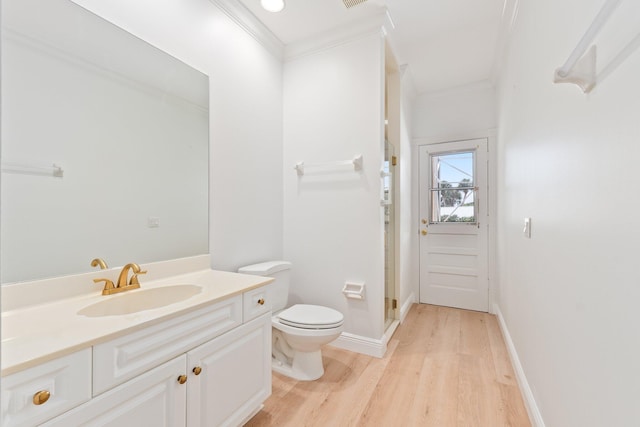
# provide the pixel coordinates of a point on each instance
(261, 301)
(182, 379)
(197, 370)
(41, 397)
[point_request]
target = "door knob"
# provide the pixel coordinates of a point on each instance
(423, 232)
(424, 221)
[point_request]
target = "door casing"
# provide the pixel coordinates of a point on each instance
(485, 242)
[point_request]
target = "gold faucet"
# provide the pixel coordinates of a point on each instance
(133, 283)
(123, 284)
(99, 262)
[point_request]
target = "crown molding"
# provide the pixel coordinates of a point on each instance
(380, 23)
(252, 25)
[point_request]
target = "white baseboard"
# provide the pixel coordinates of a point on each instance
(390, 331)
(529, 401)
(370, 346)
(360, 344)
(404, 309)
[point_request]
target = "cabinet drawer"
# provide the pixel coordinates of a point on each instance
(123, 358)
(256, 302)
(67, 380)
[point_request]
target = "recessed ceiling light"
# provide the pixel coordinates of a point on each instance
(272, 5)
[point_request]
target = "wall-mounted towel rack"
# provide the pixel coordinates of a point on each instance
(22, 168)
(356, 162)
(580, 67)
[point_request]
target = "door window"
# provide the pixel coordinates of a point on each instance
(452, 188)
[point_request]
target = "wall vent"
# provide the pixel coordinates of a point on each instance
(351, 3)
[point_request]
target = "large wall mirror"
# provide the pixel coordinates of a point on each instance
(126, 126)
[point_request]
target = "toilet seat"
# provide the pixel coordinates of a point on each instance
(306, 316)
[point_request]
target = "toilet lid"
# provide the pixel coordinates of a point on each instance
(308, 316)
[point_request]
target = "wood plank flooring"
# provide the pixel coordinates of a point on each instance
(444, 367)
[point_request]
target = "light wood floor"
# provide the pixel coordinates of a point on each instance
(444, 367)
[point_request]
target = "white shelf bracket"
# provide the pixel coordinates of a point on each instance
(580, 67)
(583, 73)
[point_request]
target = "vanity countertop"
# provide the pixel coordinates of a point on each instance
(39, 333)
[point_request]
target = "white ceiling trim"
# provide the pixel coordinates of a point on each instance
(252, 25)
(379, 23)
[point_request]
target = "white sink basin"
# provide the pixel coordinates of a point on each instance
(140, 300)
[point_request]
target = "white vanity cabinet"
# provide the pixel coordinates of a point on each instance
(207, 367)
(219, 383)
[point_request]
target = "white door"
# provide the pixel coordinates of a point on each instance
(454, 224)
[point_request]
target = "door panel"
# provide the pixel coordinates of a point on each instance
(454, 226)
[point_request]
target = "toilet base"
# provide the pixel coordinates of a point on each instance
(306, 366)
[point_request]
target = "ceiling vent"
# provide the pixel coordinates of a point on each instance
(351, 3)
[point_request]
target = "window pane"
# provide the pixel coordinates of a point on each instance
(452, 187)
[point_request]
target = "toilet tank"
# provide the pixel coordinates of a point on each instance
(280, 271)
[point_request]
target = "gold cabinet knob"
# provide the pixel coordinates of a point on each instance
(261, 301)
(182, 379)
(423, 232)
(41, 397)
(197, 370)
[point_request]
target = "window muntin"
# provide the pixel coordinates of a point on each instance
(452, 189)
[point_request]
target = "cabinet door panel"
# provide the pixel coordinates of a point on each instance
(152, 399)
(235, 377)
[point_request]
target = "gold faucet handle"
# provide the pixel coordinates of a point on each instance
(134, 278)
(108, 284)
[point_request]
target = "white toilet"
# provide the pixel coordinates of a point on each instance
(298, 331)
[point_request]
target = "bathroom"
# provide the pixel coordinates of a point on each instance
(566, 295)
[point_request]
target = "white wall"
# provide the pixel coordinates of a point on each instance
(333, 222)
(245, 118)
(570, 294)
(454, 111)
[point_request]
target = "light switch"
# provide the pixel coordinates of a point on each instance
(153, 222)
(527, 228)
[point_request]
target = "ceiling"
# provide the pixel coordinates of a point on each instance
(446, 43)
